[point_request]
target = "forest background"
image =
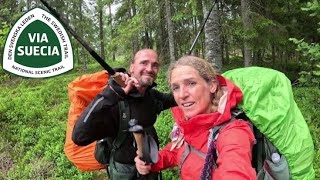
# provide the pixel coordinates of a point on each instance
(279, 34)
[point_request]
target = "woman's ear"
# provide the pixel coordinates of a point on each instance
(213, 86)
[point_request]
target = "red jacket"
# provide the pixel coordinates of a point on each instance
(234, 143)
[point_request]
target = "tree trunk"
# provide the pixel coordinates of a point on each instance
(247, 51)
(200, 21)
(258, 58)
(113, 49)
(132, 13)
(146, 40)
(77, 54)
(170, 31)
(100, 12)
(81, 34)
(226, 50)
(213, 36)
(28, 5)
(162, 44)
(273, 54)
(194, 27)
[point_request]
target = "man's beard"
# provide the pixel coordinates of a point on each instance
(145, 83)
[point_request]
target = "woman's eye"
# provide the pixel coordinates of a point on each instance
(192, 83)
(174, 88)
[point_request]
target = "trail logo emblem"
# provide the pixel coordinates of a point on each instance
(38, 46)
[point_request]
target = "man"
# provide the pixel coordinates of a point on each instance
(101, 118)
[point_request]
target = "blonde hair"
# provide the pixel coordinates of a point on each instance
(205, 70)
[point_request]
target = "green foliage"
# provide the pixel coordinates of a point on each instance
(5, 157)
(311, 51)
(313, 7)
(164, 125)
(308, 100)
(33, 113)
(4, 31)
(4, 76)
(162, 81)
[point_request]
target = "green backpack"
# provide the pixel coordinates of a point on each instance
(269, 104)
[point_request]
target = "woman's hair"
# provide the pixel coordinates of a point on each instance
(205, 70)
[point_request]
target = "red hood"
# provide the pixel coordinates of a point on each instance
(203, 122)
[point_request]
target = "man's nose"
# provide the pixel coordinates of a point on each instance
(149, 67)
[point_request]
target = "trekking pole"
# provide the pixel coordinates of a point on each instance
(147, 148)
(137, 131)
(202, 27)
(115, 75)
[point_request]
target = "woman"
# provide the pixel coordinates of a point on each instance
(205, 101)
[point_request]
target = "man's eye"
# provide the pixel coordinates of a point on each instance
(143, 62)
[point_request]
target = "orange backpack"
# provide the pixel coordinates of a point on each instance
(81, 92)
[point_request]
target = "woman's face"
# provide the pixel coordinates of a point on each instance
(191, 92)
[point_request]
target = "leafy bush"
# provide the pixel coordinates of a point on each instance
(34, 114)
(308, 100)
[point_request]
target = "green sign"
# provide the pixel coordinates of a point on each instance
(38, 46)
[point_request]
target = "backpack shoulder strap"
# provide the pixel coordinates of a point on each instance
(263, 148)
(185, 154)
(188, 148)
(124, 112)
(212, 155)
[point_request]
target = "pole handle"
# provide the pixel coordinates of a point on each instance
(118, 79)
(139, 140)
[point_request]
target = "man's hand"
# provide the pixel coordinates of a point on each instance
(141, 166)
(130, 82)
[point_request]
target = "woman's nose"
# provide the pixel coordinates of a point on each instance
(183, 93)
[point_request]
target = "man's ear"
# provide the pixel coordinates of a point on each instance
(213, 86)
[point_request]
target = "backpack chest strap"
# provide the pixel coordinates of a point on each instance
(212, 155)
